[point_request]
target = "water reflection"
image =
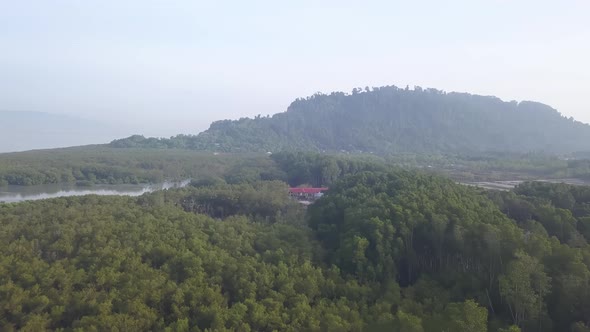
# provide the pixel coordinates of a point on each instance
(11, 194)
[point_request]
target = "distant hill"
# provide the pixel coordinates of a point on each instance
(393, 120)
(20, 130)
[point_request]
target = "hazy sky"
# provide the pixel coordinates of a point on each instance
(168, 67)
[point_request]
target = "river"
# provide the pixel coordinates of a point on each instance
(12, 194)
(509, 185)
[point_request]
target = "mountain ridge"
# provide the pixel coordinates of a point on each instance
(391, 120)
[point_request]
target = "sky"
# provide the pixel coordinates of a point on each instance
(162, 68)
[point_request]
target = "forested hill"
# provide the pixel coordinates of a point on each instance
(392, 120)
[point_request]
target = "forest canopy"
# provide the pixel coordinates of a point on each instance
(384, 249)
(107, 165)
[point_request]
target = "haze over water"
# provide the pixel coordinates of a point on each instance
(12, 194)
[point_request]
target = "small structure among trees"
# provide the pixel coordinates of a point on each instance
(307, 194)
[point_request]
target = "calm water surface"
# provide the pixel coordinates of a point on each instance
(11, 194)
(509, 185)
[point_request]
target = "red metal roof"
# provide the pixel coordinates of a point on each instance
(306, 190)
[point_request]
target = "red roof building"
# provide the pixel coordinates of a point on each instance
(307, 190)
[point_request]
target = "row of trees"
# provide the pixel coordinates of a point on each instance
(91, 165)
(108, 165)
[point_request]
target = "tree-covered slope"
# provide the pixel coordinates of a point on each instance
(392, 120)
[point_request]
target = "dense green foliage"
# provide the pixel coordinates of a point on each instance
(109, 264)
(562, 210)
(386, 248)
(532, 270)
(89, 267)
(499, 166)
(390, 120)
(320, 170)
(382, 250)
(264, 201)
(103, 165)
(97, 164)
